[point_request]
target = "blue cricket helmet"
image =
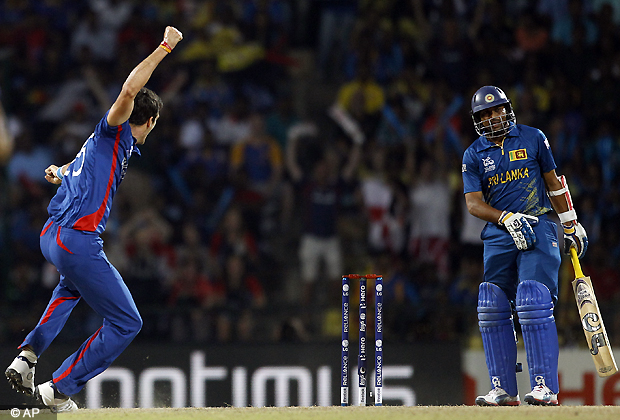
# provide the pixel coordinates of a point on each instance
(489, 97)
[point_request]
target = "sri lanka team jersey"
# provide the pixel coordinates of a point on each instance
(84, 199)
(510, 176)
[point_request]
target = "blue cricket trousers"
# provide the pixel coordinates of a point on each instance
(85, 272)
(506, 266)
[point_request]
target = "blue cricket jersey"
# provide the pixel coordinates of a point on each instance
(84, 199)
(510, 177)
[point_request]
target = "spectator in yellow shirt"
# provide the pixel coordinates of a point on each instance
(362, 96)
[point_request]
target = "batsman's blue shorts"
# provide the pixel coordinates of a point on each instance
(85, 272)
(506, 266)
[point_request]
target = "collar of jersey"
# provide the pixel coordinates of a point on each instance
(483, 143)
(135, 147)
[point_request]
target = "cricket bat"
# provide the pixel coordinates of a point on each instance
(592, 321)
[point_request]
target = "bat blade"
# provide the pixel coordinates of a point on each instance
(592, 322)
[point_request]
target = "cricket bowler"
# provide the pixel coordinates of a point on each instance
(71, 241)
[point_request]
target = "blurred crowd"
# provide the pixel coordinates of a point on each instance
(300, 141)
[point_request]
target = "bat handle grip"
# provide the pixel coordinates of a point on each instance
(575, 260)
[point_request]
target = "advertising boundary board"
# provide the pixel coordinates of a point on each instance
(257, 375)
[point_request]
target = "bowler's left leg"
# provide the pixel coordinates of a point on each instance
(102, 287)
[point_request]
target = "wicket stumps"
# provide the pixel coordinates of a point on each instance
(379, 341)
(361, 355)
(361, 358)
(344, 352)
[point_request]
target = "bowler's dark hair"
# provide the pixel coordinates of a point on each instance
(146, 104)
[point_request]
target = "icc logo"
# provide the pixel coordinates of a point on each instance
(489, 164)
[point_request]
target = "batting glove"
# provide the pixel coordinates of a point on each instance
(575, 236)
(519, 226)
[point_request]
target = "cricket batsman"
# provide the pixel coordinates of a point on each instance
(510, 182)
(70, 240)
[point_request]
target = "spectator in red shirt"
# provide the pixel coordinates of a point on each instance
(232, 238)
(243, 294)
(192, 296)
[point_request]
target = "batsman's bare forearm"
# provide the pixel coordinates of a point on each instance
(559, 204)
(478, 208)
(552, 182)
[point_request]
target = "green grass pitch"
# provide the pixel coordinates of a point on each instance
(351, 413)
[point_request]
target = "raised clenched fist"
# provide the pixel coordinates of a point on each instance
(172, 36)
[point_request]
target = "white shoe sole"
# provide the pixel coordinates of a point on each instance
(65, 407)
(533, 401)
(48, 399)
(484, 403)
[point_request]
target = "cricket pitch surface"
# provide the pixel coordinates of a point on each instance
(525, 412)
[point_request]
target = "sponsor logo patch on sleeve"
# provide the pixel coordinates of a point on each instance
(520, 154)
(464, 168)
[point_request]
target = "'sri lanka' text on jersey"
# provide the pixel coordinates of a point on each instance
(510, 176)
(84, 199)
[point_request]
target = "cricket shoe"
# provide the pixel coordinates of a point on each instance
(497, 396)
(541, 395)
(20, 375)
(54, 399)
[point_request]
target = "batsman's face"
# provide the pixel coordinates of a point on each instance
(494, 119)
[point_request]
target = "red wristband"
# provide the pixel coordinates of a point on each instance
(166, 47)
